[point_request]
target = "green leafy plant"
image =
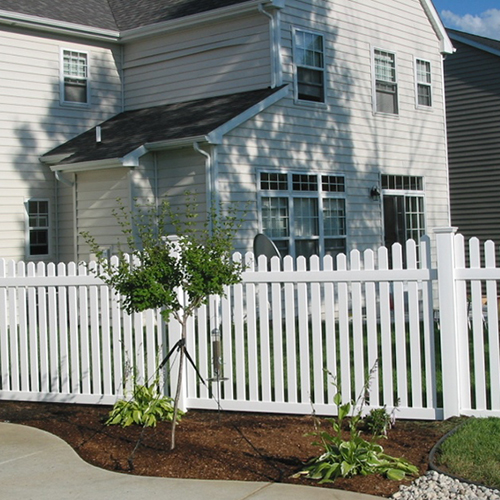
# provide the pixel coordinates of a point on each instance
(154, 267)
(379, 421)
(146, 408)
(352, 456)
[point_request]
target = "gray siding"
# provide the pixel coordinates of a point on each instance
(473, 111)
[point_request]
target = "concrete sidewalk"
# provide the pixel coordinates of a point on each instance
(36, 465)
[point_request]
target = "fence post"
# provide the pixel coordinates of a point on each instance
(448, 320)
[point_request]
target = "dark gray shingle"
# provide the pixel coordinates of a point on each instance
(129, 130)
(114, 14)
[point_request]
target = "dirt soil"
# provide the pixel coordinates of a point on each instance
(212, 445)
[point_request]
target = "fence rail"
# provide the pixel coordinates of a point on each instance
(288, 333)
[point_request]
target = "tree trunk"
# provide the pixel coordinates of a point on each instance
(179, 383)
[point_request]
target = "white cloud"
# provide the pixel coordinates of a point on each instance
(485, 24)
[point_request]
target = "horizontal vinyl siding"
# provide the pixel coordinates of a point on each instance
(97, 194)
(344, 136)
(32, 121)
(215, 59)
(473, 110)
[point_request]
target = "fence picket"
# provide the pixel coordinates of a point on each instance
(493, 334)
(357, 327)
(330, 331)
(371, 331)
(290, 326)
(62, 315)
(252, 333)
(23, 332)
(4, 329)
(265, 348)
(385, 328)
(477, 328)
(344, 335)
(277, 329)
(33, 332)
(303, 325)
(414, 328)
(53, 334)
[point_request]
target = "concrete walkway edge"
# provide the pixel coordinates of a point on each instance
(36, 465)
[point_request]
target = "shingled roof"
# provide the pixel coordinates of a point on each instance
(118, 15)
(127, 131)
(481, 40)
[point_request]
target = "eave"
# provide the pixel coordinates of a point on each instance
(44, 24)
(197, 19)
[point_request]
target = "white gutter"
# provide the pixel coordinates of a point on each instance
(54, 26)
(196, 19)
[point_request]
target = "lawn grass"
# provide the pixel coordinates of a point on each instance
(473, 452)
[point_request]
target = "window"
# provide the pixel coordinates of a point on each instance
(424, 89)
(304, 214)
(38, 227)
(309, 66)
(75, 77)
(386, 87)
(404, 216)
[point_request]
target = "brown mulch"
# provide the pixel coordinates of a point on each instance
(212, 445)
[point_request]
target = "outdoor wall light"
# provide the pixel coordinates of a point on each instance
(375, 193)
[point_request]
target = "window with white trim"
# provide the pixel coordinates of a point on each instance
(38, 227)
(404, 215)
(75, 77)
(424, 82)
(304, 214)
(386, 83)
(309, 63)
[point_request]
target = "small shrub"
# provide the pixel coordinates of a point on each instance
(146, 408)
(378, 422)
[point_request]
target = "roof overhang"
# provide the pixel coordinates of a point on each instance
(475, 44)
(437, 24)
(54, 26)
(131, 159)
(196, 19)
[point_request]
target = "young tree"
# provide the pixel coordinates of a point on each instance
(154, 267)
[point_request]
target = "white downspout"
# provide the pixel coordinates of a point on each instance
(274, 46)
(211, 180)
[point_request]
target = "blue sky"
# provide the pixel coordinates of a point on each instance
(480, 17)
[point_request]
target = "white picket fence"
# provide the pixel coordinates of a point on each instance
(288, 331)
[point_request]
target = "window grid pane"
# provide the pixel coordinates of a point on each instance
(333, 184)
(334, 217)
(275, 217)
(303, 182)
(402, 182)
(415, 226)
(385, 66)
(424, 92)
(273, 182)
(306, 219)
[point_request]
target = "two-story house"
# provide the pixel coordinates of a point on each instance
(325, 119)
(472, 77)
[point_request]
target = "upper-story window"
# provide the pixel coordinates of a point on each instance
(386, 83)
(38, 227)
(424, 82)
(309, 62)
(304, 214)
(75, 77)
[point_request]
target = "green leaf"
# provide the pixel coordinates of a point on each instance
(395, 474)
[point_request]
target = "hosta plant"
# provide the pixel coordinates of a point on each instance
(146, 408)
(343, 457)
